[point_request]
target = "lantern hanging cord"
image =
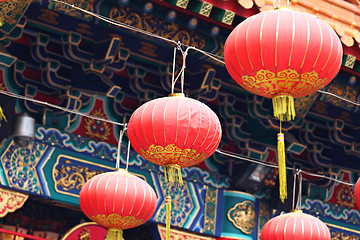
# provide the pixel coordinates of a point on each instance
(173, 72)
(117, 166)
(298, 205)
(128, 155)
(277, 4)
(234, 155)
(297, 177)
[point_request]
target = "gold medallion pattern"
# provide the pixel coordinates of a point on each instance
(172, 154)
(116, 221)
(96, 128)
(288, 82)
(243, 216)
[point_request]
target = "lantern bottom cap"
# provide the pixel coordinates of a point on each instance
(114, 234)
(284, 108)
(173, 174)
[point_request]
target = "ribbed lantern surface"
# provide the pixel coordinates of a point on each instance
(174, 130)
(118, 200)
(295, 226)
(283, 52)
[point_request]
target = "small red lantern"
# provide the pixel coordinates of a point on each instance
(283, 55)
(174, 132)
(295, 226)
(117, 200)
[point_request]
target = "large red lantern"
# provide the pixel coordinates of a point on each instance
(117, 200)
(283, 54)
(295, 226)
(174, 132)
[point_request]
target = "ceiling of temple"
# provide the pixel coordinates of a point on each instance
(71, 59)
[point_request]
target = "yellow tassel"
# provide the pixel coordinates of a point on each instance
(173, 174)
(284, 108)
(114, 234)
(166, 178)
(168, 216)
(2, 116)
(282, 166)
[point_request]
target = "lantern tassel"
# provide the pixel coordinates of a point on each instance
(173, 174)
(282, 166)
(284, 108)
(168, 216)
(2, 116)
(114, 234)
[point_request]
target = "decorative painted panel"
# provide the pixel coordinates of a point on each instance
(23, 167)
(239, 219)
(210, 214)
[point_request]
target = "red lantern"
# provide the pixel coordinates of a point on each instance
(174, 132)
(117, 200)
(283, 55)
(295, 226)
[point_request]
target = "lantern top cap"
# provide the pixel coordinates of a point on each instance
(121, 170)
(177, 95)
(296, 211)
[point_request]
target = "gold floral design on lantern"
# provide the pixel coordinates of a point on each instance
(171, 154)
(268, 84)
(116, 221)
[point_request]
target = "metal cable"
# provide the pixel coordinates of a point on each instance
(252, 160)
(10, 94)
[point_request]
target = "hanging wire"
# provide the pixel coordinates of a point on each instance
(128, 154)
(298, 205)
(233, 155)
(294, 190)
(297, 177)
(276, 4)
(14, 95)
(119, 149)
(184, 66)
(173, 72)
(339, 97)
